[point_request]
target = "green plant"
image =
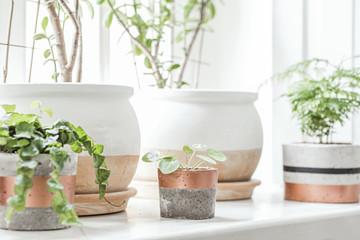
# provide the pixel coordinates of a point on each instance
(322, 96)
(24, 135)
(170, 164)
(146, 23)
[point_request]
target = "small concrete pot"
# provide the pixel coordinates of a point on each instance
(327, 173)
(38, 215)
(188, 194)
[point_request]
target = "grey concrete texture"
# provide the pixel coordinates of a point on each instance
(8, 165)
(31, 219)
(195, 204)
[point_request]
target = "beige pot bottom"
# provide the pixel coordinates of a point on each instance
(225, 190)
(89, 204)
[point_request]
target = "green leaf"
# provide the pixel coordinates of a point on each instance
(102, 191)
(35, 104)
(28, 164)
(137, 51)
(29, 151)
(102, 175)
(173, 67)
(58, 156)
(44, 23)
(9, 108)
(9, 212)
(90, 7)
(98, 149)
(217, 155)
(4, 133)
(168, 165)
(54, 185)
(24, 130)
(17, 202)
(151, 156)
(39, 36)
(3, 141)
(76, 147)
(112, 2)
(100, 1)
(187, 149)
(98, 161)
(47, 53)
(48, 111)
(199, 146)
(82, 134)
(108, 18)
(147, 62)
(23, 143)
(207, 159)
(23, 181)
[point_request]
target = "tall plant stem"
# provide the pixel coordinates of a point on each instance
(142, 47)
(80, 58)
(196, 81)
(8, 40)
(33, 43)
(173, 22)
(191, 44)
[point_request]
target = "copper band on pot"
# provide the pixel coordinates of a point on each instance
(38, 196)
(322, 193)
(189, 179)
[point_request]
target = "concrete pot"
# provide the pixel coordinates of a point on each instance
(38, 214)
(105, 113)
(328, 173)
(188, 194)
(225, 120)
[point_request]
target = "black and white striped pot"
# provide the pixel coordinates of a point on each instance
(328, 173)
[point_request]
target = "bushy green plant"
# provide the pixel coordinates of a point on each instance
(23, 134)
(170, 164)
(322, 96)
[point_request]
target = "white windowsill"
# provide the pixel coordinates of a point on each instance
(266, 216)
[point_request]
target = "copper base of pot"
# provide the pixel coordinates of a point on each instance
(322, 193)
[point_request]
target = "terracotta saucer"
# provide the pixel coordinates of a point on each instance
(89, 204)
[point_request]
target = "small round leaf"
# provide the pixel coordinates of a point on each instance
(215, 154)
(151, 156)
(168, 165)
(187, 149)
(199, 146)
(207, 159)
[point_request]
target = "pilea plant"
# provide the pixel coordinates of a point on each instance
(23, 134)
(170, 164)
(147, 24)
(322, 96)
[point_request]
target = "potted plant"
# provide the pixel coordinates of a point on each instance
(151, 25)
(38, 171)
(82, 104)
(187, 190)
(323, 97)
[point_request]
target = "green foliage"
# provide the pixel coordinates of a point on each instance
(147, 23)
(24, 134)
(322, 96)
(170, 164)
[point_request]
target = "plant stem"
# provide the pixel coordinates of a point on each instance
(192, 155)
(8, 40)
(80, 59)
(197, 164)
(196, 81)
(54, 60)
(173, 22)
(188, 50)
(33, 43)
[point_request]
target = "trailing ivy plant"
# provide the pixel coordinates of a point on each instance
(322, 96)
(23, 134)
(147, 22)
(170, 164)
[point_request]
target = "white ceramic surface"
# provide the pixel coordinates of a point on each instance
(266, 216)
(223, 120)
(104, 111)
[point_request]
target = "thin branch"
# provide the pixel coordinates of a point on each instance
(188, 50)
(173, 22)
(80, 59)
(75, 45)
(196, 81)
(19, 46)
(142, 47)
(8, 40)
(33, 43)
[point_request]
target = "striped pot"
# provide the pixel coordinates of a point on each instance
(38, 215)
(328, 173)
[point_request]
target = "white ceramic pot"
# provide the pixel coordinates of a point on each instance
(322, 172)
(105, 113)
(224, 120)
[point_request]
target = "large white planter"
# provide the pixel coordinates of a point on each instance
(105, 113)
(322, 172)
(224, 120)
